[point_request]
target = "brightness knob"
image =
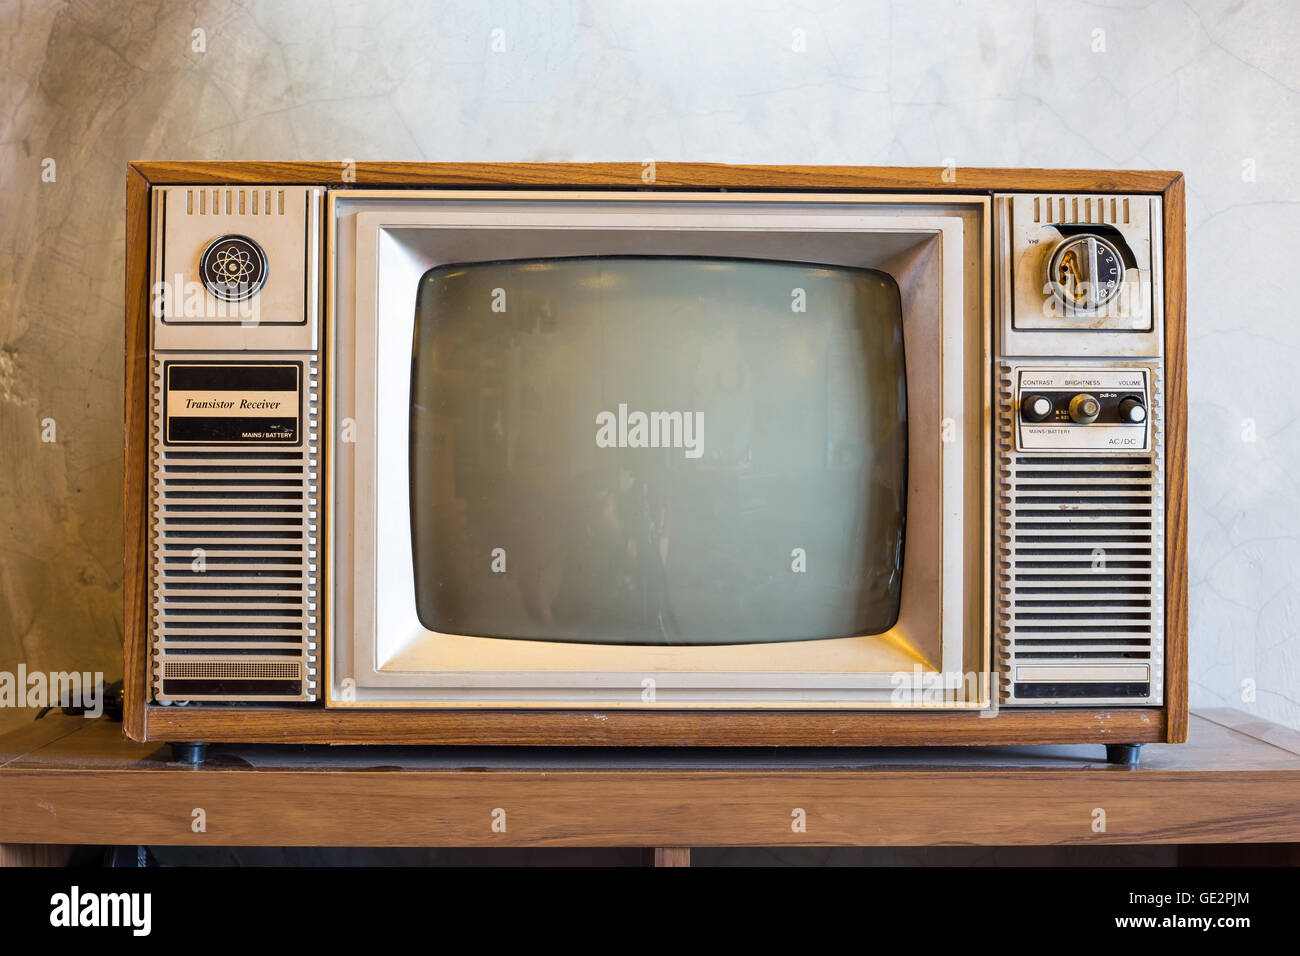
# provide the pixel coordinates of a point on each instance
(1084, 409)
(1085, 272)
(1132, 410)
(1035, 408)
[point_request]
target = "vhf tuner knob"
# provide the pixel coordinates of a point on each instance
(1085, 272)
(1035, 408)
(1132, 410)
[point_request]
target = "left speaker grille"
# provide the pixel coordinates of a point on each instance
(235, 580)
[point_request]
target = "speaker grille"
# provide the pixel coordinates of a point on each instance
(1067, 210)
(233, 201)
(243, 670)
(1080, 571)
(235, 569)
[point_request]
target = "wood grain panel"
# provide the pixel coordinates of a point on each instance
(667, 175)
(1211, 747)
(92, 786)
(653, 729)
(667, 856)
(135, 460)
(1270, 733)
(1176, 605)
(36, 854)
(36, 735)
(672, 856)
(659, 808)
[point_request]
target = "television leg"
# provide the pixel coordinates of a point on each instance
(1126, 755)
(190, 753)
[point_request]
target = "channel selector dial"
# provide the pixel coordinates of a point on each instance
(1085, 272)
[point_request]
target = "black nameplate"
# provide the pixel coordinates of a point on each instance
(232, 403)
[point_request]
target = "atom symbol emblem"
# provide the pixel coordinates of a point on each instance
(235, 265)
(233, 268)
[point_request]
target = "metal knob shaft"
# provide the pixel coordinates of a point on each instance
(1084, 409)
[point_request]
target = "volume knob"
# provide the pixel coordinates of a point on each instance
(1132, 410)
(1084, 409)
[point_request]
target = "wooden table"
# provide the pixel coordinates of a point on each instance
(70, 781)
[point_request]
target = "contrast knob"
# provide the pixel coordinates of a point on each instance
(1132, 410)
(1085, 272)
(1035, 408)
(1084, 409)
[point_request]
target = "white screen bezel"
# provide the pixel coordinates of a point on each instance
(372, 307)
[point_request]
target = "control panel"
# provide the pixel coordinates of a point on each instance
(235, 353)
(1083, 409)
(1080, 493)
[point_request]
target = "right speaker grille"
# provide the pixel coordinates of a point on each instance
(1080, 599)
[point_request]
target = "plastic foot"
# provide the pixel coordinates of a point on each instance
(1126, 755)
(190, 753)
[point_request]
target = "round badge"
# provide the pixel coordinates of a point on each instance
(233, 268)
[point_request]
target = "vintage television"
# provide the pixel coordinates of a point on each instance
(654, 455)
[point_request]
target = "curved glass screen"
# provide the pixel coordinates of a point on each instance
(650, 450)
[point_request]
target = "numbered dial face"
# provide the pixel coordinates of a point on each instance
(1086, 272)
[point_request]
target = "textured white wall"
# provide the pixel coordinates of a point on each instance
(1210, 87)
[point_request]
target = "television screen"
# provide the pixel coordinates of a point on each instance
(657, 450)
